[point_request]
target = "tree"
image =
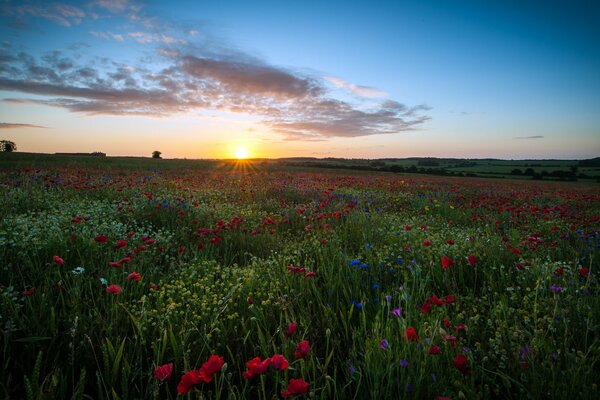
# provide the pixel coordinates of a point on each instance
(7, 146)
(156, 154)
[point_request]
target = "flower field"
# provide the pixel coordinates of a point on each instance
(231, 284)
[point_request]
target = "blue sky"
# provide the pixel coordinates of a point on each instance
(517, 79)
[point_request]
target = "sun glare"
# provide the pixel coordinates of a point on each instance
(241, 153)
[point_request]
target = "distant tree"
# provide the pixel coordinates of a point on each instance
(529, 171)
(156, 154)
(516, 171)
(7, 146)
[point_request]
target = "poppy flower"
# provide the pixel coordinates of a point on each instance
(114, 264)
(434, 350)
(447, 262)
(559, 271)
(58, 260)
(279, 362)
(426, 242)
(188, 380)
(134, 276)
(302, 349)
(120, 244)
(310, 275)
(102, 239)
(256, 367)
(114, 289)
(411, 334)
(584, 272)
(472, 260)
(291, 329)
(28, 292)
(211, 367)
(295, 387)
(461, 362)
(163, 372)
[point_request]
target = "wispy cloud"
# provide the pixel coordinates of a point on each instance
(8, 125)
(62, 14)
(358, 90)
(529, 137)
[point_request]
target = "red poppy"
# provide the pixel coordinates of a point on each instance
(279, 362)
(461, 362)
(447, 262)
(29, 292)
(584, 272)
(291, 329)
(411, 334)
(114, 289)
(295, 387)
(256, 367)
(163, 372)
(425, 308)
(125, 260)
(293, 269)
(450, 241)
(302, 349)
(211, 367)
(435, 350)
(426, 242)
(120, 244)
(310, 275)
(188, 380)
(450, 299)
(559, 271)
(134, 276)
(114, 264)
(101, 239)
(58, 260)
(472, 260)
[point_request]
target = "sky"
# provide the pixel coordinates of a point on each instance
(355, 79)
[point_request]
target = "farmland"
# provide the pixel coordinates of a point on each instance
(162, 279)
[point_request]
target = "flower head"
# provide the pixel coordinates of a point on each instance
(163, 372)
(461, 362)
(279, 362)
(58, 260)
(295, 387)
(211, 367)
(411, 334)
(256, 367)
(134, 276)
(114, 289)
(302, 349)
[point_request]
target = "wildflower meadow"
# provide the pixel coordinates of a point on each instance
(231, 283)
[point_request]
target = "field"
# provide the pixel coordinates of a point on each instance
(129, 279)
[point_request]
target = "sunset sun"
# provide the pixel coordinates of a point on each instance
(241, 153)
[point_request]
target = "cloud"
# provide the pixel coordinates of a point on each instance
(358, 90)
(8, 125)
(62, 14)
(140, 37)
(528, 137)
(294, 105)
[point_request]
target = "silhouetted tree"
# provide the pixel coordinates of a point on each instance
(7, 146)
(156, 154)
